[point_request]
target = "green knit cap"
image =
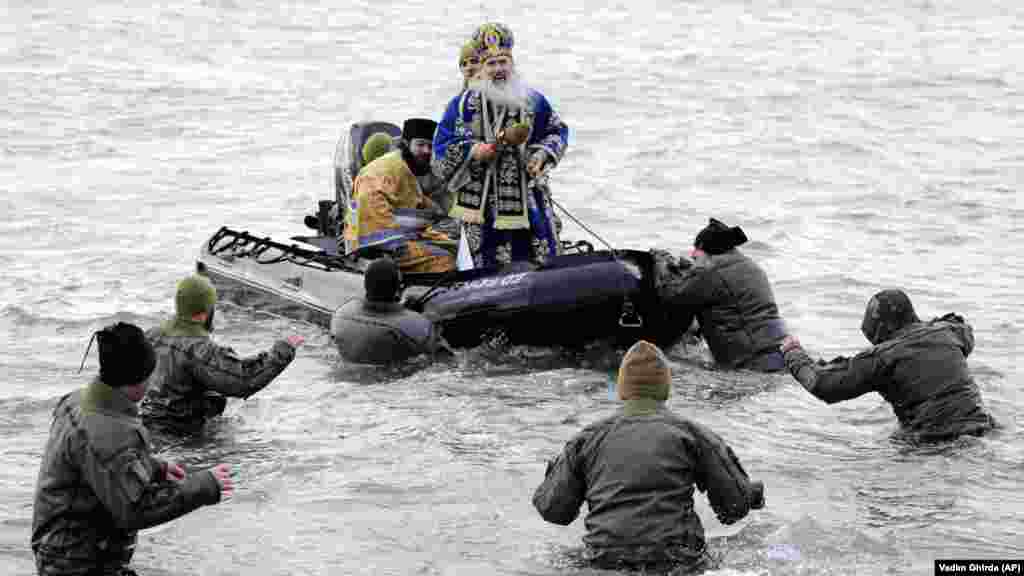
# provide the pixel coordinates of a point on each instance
(376, 146)
(195, 294)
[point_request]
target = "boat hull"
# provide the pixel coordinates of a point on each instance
(573, 300)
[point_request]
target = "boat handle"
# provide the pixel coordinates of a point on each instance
(638, 323)
(629, 318)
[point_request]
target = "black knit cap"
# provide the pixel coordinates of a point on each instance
(717, 238)
(383, 280)
(126, 357)
(418, 128)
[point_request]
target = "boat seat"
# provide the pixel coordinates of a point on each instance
(348, 163)
(348, 159)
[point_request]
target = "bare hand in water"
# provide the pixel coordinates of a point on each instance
(788, 343)
(174, 472)
(222, 473)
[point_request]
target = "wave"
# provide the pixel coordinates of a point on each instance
(19, 413)
(20, 317)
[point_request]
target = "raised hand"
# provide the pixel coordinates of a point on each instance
(483, 152)
(788, 343)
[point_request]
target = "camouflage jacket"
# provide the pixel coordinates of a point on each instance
(921, 370)
(98, 485)
(194, 375)
(637, 471)
(732, 300)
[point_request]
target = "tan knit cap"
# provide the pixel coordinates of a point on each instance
(644, 373)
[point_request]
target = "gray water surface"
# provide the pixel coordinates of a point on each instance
(860, 145)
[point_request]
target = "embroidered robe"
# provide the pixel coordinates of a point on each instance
(500, 207)
(382, 213)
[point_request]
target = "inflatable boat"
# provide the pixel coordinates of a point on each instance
(580, 296)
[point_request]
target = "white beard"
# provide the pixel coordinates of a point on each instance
(512, 93)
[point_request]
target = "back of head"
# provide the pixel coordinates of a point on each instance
(126, 356)
(887, 312)
(376, 146)
(717, 238)
(383, 280)
(644, 373)
(195, 294)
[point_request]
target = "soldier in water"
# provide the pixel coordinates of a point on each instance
(195, 375)
(98, 483)
(920, 368)
(637, 471)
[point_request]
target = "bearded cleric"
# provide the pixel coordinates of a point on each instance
(493, 145)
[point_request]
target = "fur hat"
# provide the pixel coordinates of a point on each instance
(493, 39)
(195, 294)
(418, 128)
(126, 356)
(383, 280)
(717, 238)
(376, 146)
(644, 373)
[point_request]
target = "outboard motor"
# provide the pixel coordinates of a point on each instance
(325, 222)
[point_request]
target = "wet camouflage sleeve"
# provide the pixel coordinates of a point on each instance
(130, 487)
(560, 495)
(159, 467)
(682, 290)
(221, 370)
(835, 381)
(721, 476)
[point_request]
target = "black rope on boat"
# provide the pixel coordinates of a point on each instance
(430, 292)
(584, 226)
(577, 247)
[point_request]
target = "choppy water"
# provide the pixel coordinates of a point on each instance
(860, 145)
